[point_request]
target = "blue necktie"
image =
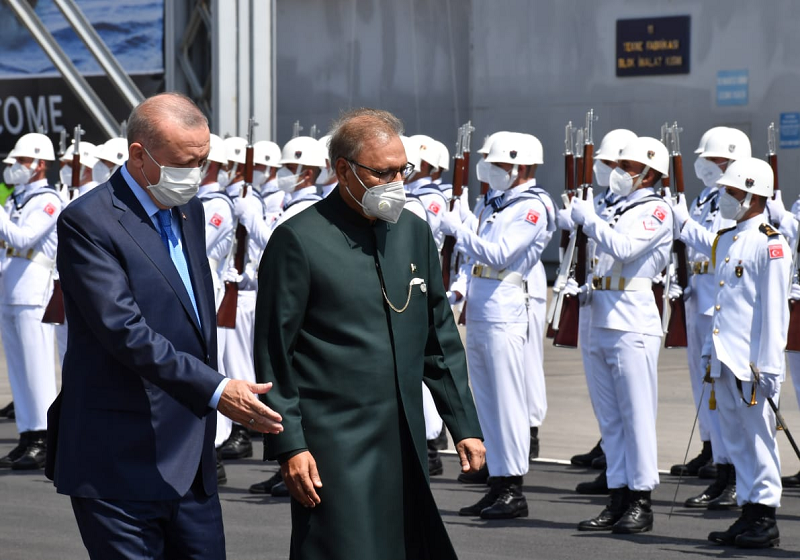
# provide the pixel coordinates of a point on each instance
(170, 241)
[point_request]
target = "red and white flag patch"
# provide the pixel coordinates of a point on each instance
(216, 220)
(532, 217)
(775, 251)
(435, 207)
(49, 209)
(660, 213)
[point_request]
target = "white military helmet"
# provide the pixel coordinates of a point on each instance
(304, 150)
(267, 153)
(751, 175)
(444, 156)
(613, 142)
(487, 142)
(648, 151)
(729, 143)
(536, 148)
(87, 156)
(114, 151)
(33, 145)
(704, 138)
(412, 152)
(428, 150)
(511, 147)
(235, 148)
(9, 160)
(217, 150)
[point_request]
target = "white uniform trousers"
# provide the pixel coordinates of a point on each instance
(793, 360)
(433, 422)
(534, 358)
(626, 383)
(585, 344)
(749, 434)
(28, 344)
(697, 328)
(496, 360)
(61, 340)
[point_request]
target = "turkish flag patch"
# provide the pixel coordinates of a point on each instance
(216, 220)
(49, 209)
(775, 251)
(532, 217)
(660, 213)
(435, 208)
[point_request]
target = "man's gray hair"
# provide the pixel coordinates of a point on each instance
(353, 128)
(143, 123)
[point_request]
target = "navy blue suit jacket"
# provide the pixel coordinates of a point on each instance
(132, 421)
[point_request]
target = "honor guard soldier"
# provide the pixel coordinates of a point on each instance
(110, 156)
(698, 225)
(790, 230)
(327, 181)
(632, 249)
(744, 350)
(504, 249)
(86, 182)
(28, 240)
(303, 159)
(266, 162)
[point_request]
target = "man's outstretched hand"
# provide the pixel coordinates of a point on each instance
(238, 402)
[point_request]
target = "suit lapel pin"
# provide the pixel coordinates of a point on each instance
(183, 215)
(413, 268)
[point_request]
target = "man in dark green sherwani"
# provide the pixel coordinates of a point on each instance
(351, 318)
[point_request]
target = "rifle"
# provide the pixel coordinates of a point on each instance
(296, 129)
(226, 314)
(675, 333)
(313, 131)
(567, 331)
(772, 155)
(460, 178)
(793, 334)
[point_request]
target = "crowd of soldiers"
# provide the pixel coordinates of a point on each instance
(735, 233)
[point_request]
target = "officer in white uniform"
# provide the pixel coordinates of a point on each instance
(745, 347)
(28, 239)
(504, 249)
(789, 229)
(303, 159)
(110, 156)
(266, 158)
(626, 331)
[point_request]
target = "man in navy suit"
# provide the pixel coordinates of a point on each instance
(133, 428)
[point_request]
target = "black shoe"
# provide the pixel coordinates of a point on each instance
(728, 537)
(534, 452)
(238, 445)
(707, 471)
(222, 478)
(16, 453)
(712, 492)
(599, 463)
(439, 442)
(613, 512)
(791, 481)
(585, 459)
(639, 516)
(435, 466)
(481, 476)
(691, 468)
(280, 490)
(727, 499)
(487, 500)
(12, 415)
(6, 410)
(35, 454)
(596, 487)
(762, 531)
(266, 486)
(510, 502)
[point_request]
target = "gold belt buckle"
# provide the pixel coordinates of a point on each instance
(477, 269)
(597, 282)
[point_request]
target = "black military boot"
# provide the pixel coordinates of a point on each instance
(481, 476)
(599, 463)
(708, 471)
(692, 467)
(762, 531)
(35, 454)
(16, 453)
(222, 477)
(439, 442)
(727, 499)
(266, 486)
(712, 492)
(616, 508)
(639, 516)
(534, 452)
(475, 509)
(596, 487)
(728, 537)
(792, 481)
(435, 466)
(585, 459)
(510, 503)
(238, 445)
(6, 410)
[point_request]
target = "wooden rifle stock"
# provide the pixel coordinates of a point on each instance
(460, 174)
(676, 331)
(54, 312)
(793, 335)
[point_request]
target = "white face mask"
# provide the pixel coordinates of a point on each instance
(223, 178)
(65, 175)
(7, 175)
(499, 179)
(259, 177)
(19, 174)
(707, 171)
(602, 173)
(482, 170)
(176, 185)
(287, 180)
(621, 182)
(325, 176)
(270, 186)
(101, 173)
(385, 202)
(732, 209)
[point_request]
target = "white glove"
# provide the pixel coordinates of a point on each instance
(461, 209)
(776, 208)
(232, 275)
(245, 206)
(675, 290)
(794, 291)
(564, 220)
(465, 195)
(451, 223)
(454, 297)
(583, 210)
(571, 288)
(680, 212)
(770, 384)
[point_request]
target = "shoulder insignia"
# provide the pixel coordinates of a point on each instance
(50, 209)
(216, 220)
(434, 207)
(775, 250)
(532, 217)
(660, 213)
(768, 230)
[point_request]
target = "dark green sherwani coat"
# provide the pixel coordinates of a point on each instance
(348, 373)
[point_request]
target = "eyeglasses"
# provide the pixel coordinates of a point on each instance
(387, 175)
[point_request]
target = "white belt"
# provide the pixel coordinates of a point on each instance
(622, 284)
(483, 271)
(32, 255)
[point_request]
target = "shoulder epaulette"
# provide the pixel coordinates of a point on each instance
(768, 230)
(714, 245)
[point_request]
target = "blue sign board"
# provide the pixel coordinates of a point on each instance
(790, 130)
(732, 87)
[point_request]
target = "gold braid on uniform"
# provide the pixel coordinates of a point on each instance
(714, 245)
(768, 230)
